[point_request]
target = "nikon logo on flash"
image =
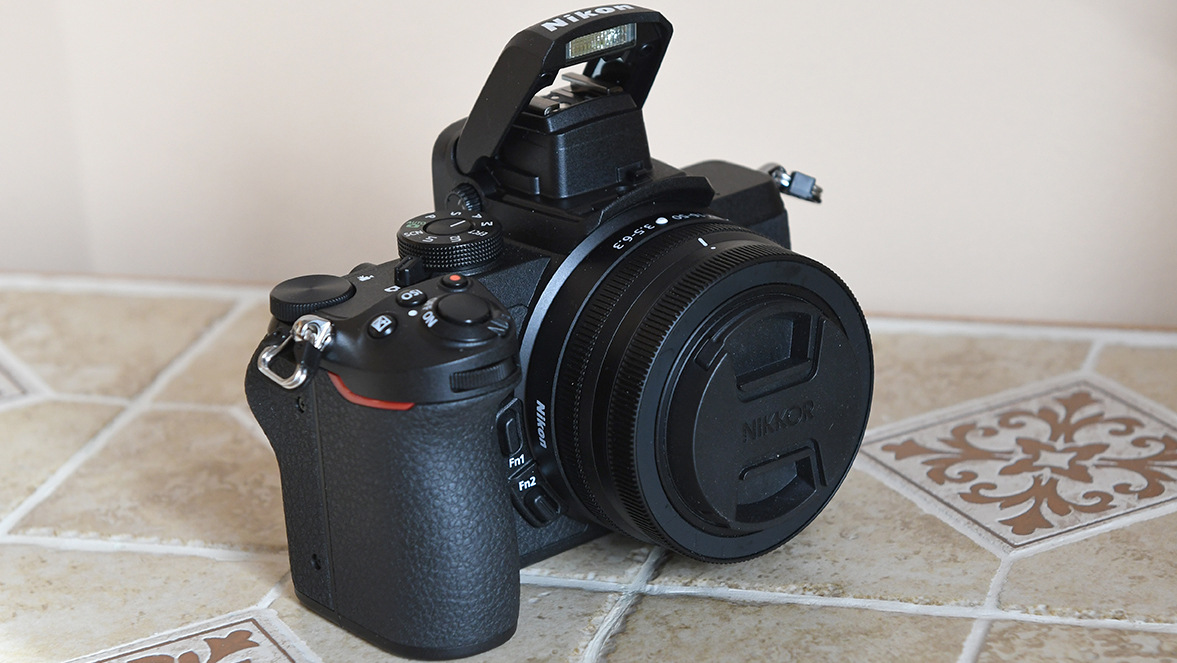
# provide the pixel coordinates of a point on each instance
(576, 17)
(775, 421)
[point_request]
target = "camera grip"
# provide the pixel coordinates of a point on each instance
(423, 550)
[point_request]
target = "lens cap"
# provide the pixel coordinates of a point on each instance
(756, 401)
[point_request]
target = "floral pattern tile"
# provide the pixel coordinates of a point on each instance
(1040, 464)
(255, 636)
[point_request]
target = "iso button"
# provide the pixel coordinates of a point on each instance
(412, 297)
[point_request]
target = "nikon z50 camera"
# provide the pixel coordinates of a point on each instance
(580, 339)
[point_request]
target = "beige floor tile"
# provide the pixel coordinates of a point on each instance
(1129, 573)
(1151, 372)
(187, 476)
(37, 439)
(611, 558)
(101, 344)
(693, 629)
(870, 542)
(216, 376)
(916, 373)
(57, 605)
(554, 625)
(1050, 643)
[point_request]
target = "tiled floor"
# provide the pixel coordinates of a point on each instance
(1014, 501)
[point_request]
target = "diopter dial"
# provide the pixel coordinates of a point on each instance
(451, 241)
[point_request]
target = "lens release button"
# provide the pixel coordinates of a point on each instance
(463, 309)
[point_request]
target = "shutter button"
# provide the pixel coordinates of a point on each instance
(463, 309)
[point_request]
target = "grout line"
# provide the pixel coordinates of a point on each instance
(96, 399)
(24, 375)
(127, 287)
(899, 607)
(974, 612)
(273, 594)
(25, 400)
(613, 621)
(105, 545)
(1028, 331)
(993, 598)
(971, 651)
(137, 406)
(571, 583)
(1092, 358)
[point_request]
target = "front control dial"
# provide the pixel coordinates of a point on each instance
(451, 241)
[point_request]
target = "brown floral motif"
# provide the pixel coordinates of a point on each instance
(1062, 458)
(218, 649)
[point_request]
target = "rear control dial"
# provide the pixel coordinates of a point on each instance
(450, 241)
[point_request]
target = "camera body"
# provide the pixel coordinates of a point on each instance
(580, 339)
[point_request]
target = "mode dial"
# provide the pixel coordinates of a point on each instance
(449, 241)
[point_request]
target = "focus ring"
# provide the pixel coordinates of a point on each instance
(583, 345)
(634, 367)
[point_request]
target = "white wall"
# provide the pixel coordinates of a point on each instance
(996, 159)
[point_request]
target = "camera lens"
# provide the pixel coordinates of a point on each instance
(710, 388)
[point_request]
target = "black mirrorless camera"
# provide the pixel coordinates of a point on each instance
(580, 339)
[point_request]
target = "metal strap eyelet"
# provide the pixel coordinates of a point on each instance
(315, 334)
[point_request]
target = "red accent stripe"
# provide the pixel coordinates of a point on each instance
(353, 397)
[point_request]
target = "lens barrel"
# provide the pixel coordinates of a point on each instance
(709, 391)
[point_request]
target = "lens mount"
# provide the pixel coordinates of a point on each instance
(708, 388)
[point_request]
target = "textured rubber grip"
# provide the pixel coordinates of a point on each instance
(423, 558)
